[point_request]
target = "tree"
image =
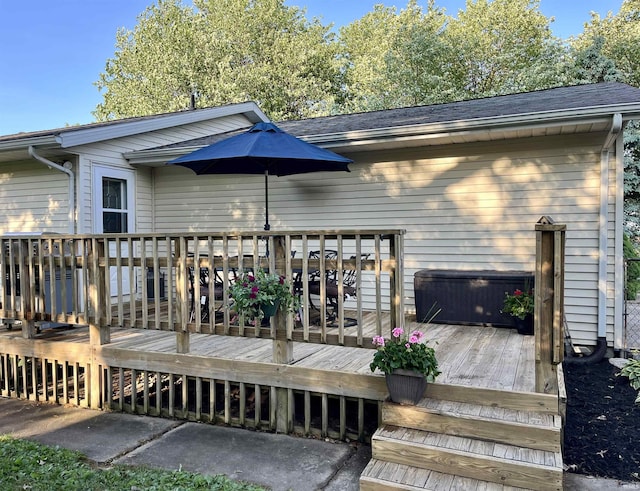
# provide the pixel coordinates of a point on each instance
(364, 61)
(156, 66)
(632, 180)
(418, 58)
(591, 65)
(617, 37)
(423, 57)
(502, 47)
(221, 51)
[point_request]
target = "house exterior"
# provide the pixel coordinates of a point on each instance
(466, 180)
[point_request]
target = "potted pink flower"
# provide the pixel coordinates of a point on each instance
(407, 362)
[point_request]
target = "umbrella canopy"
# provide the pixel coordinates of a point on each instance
(263, 149)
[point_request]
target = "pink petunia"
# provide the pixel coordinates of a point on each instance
(413, 338)
(418, 334)
(407, 345)
(397, 332)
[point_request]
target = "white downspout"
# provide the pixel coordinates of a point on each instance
(72, 183)
(616, 128)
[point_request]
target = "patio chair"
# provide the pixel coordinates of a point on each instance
(218, 293)
(349, 279)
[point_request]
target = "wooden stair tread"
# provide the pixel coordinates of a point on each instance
(464, 444)
(489, 412)
(379, 475)
(530, 429)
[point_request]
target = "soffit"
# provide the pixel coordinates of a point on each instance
(450, 137)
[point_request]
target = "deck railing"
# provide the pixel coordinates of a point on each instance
(168, 283)
(154, 282)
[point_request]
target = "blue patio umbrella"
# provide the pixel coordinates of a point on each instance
(263, 149)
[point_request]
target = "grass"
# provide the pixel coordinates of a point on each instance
(26, 465)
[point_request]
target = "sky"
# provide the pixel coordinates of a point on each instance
(52, 52)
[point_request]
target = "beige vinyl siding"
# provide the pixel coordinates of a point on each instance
(33, 198)
(144, 201)
(471, 206)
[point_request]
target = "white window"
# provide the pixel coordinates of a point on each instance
(114, 213)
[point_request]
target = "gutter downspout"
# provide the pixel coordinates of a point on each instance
(72, 182)
(601, 344)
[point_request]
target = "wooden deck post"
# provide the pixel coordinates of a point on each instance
(549, 303)
(282, 348)
(99, 331)
(396, 280)
(26, 290)
(183, 337)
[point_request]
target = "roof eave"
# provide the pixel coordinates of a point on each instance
(22, 143)
(85, 136)
(628, 111)
(359, 140)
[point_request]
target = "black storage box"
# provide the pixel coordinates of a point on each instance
(467, 297)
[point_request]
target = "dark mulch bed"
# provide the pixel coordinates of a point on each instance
(602, 431)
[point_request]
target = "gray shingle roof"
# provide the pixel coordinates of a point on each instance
(556, 99)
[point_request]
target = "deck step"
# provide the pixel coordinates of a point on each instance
(530, 429)
(500, 463)
(389, 476)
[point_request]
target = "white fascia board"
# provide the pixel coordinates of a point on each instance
(544, 118)
(22, 143)
(77, 137)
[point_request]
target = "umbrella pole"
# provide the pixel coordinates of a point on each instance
(266, 200)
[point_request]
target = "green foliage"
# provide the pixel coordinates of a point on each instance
(632, 371)
(157, 66)
(632, 180)
(502, 47)
(632, 280)
(221, 51)
(621, 39)
(405, 352)
(591, 65)
(519, 303)
(405, 64)
(250, 291)
(29, 465)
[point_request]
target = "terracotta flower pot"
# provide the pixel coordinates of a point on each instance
(406, 386)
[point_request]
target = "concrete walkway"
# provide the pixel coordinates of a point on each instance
(278, 462)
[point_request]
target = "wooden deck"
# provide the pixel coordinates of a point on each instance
(481, 421)
(475, 356)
